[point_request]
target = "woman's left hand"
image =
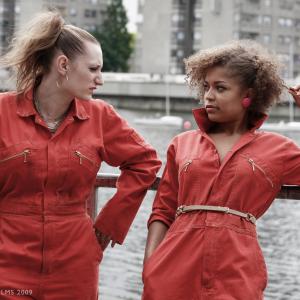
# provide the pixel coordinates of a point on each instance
(104, 239)
(295, 92)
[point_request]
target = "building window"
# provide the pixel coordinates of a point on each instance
(297, 23)
(237, 17)
(73, 11)
(90, 13)
(197, 36)
(284, 39)
(267, 3)
(180, 36)
(215, 6)
(266, 39)
(286, 4)
(285, 22)
(297, 42)
(267, 20)
(17, 9)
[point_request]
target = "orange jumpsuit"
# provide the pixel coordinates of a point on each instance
(48, 249)
(212, 255)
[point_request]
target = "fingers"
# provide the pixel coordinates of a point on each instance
(104, 240)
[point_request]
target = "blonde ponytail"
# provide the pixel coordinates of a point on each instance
(32, 49)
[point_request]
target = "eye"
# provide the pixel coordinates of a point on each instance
(220, 89)
(94, 69)
(205, 86)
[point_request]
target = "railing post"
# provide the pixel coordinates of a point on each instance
(92, 203)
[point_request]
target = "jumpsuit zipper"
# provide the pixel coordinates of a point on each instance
(82, 156)
(185, 166)
(23, 153)
(255, 165)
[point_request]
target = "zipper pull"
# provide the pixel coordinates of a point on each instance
(80, 156)
(187, 165)
(25, 153)
(252, 163)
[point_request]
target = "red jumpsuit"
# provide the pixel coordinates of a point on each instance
(48, 249)
(212, 255)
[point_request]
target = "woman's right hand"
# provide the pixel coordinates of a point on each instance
(295, 92)
(157, 232)
(104, 239)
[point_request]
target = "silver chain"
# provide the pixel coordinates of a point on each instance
(52, 125)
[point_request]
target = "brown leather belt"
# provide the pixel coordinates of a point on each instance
(189, 208)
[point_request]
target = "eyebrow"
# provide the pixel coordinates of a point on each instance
(218, 81)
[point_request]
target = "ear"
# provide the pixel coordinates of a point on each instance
(249, 93)
(62, 64)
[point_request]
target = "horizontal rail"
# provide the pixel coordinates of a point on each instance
(289, 192)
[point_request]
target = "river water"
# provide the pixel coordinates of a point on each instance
(278, 231)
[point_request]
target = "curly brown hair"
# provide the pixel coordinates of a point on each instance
(249, 62)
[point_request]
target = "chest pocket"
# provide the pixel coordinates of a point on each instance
(20, 165)
(84, 159)
(78, 171)
(257, 170)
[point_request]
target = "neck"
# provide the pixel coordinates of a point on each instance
(51, 103)
(230, 128)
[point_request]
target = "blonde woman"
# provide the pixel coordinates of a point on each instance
(53, 138)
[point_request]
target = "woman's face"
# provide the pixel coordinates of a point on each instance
(84, 72)
(223, 96)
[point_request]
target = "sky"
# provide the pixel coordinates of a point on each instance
(131, 7)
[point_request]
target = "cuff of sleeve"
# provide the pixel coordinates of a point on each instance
(154, 218)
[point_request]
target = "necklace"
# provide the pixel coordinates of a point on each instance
(52, 125)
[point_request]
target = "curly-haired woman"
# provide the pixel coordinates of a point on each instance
(202, 241)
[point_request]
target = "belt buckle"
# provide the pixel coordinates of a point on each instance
(179, 210)
(227, 210)
(251, 218)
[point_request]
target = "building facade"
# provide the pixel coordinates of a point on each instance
(7, 22)
(182, 27)
(87, 14)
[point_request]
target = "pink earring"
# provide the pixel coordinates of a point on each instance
(246, 102)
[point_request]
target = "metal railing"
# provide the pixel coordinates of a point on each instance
(288, 192)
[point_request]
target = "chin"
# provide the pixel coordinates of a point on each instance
(86, 97)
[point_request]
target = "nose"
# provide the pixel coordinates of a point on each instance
(209, 94)
(99, 79)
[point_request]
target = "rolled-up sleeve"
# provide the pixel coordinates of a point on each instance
(138, 163)
(291, 163)
(166, 199)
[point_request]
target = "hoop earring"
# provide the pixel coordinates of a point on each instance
(67, 78)
(246, 102)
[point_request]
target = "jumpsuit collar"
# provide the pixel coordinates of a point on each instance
(204, 123)
(25, 107)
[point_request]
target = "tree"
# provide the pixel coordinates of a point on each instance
(116, 42)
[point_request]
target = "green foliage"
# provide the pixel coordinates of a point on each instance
(116, 42)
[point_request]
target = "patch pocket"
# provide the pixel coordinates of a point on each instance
(253, 166)
(20, 163)
(83, 157)
(15, 155)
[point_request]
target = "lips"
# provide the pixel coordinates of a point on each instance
(210, 106)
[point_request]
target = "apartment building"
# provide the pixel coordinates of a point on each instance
(181, 27)
(87, 14)
(7, 22)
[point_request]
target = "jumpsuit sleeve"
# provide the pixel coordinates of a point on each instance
(138, 163)
(166, 202)
(291, 166)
